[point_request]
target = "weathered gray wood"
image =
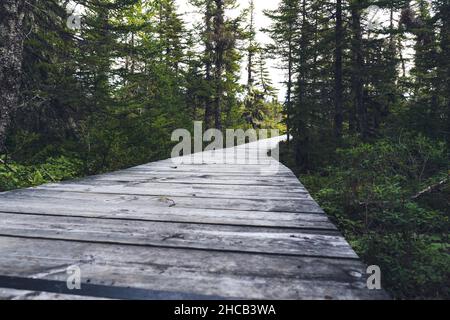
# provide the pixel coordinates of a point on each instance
(170, 214)
(232, 275)
(151, 185)
(183, 191)
(229, 169)
(179, 235)
(235, 230)
(202, 169)
(190, 178)
(266, 205)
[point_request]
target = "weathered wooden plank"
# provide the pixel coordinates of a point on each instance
(189, 178)
(89, 208)
(182, 191)
(203, 161)
(186, 185)
(259, 169)
(230, 275)
(179, 235)
(230, 164)
(150, 185)
(266, 205)
(214, 173)
(206, 170)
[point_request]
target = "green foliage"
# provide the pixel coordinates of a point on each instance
(368, 190)
(13, 175)
(371, 129)
(110, 94)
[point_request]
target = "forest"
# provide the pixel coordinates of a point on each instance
(93, 86)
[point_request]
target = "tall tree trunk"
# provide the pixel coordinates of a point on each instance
(402, 59)
(444, 61)
(251, 49)
(220, 40)
(208, 63)
(358, 69)
(302, 145)
(338, 87)
(133, 62)
(103, 66)
(289, 92)
(12, 13)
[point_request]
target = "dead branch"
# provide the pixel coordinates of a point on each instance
(430, 189)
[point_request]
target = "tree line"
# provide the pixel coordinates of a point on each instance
(367, 107)
(348, 74)
(110, 92)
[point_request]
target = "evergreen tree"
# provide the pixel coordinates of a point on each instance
(338, 76)
(284, 32)
(12, 33)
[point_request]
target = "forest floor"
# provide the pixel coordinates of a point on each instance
(390, 218)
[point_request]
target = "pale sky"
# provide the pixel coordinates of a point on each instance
(261, 21)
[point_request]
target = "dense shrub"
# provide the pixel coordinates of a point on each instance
(368, 190)
(13, 176)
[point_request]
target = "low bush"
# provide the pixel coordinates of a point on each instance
(372, 191)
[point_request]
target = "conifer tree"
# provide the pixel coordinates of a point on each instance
(12, 33)
(284, 32)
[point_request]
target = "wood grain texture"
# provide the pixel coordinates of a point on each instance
(197, 272)
(180, 229)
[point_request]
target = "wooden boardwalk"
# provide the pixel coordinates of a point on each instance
(166, 230)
